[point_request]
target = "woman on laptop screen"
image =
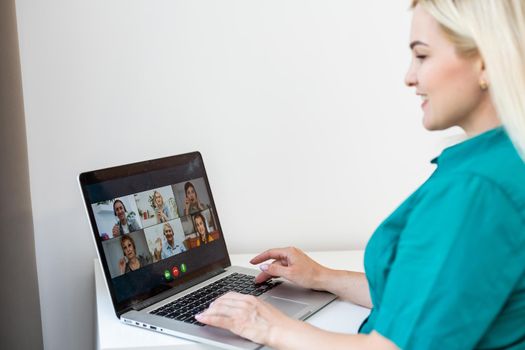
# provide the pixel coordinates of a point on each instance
(446, 270)
(162, 212)
(191, 202)
(132, 261)
(171, 245)
(202, 230)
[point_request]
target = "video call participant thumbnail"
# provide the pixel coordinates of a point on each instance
(162, 212)
(191, 202)
(201, 228)
(124, 225)
(171, 246)
(130, 261)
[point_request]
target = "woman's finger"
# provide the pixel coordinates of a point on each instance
(234, 297)
(215, 320)
(276, 253)
(262, 277)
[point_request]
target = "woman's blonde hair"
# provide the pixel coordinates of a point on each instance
(153, 201)
(495, 29)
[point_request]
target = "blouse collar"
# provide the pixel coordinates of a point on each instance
(479, 144)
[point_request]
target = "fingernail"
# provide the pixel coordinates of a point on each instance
(264, 267)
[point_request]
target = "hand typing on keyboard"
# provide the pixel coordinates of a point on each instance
(248, 317)
(292, 264)
(185, 308)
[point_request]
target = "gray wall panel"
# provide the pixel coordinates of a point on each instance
(19, 298)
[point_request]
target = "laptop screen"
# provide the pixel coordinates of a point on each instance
(155, 225)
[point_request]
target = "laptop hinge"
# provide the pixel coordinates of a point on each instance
(159, 297)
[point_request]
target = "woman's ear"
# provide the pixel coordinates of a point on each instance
(483, 76)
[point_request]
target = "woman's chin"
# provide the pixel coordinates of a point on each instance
(430, 124)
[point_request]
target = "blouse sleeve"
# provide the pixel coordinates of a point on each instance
(457, 261)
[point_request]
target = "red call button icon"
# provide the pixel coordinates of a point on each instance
(175, 272)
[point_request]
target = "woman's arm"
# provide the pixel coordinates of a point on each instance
(302, 335)
(347, 285)
(251, 318)
(295, 266)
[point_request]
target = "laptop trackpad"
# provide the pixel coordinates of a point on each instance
(289, 307)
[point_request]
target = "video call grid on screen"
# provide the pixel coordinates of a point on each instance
(146, 224)
(182, 209)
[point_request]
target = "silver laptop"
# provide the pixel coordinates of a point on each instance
(163, 251)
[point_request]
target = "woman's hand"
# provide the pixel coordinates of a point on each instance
(116, 230)
(252, 318)
(292, 264)
(161, 217)
(122, 265)
(246, 316)
(186, 206)
(157, 251)
(200, 205)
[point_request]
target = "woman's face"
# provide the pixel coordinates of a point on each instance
(168, 232)
(447, 82)
(201, 229)
(191, 194)
(158, 199)
(127, 249)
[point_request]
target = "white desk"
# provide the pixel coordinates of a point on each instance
(339, 316)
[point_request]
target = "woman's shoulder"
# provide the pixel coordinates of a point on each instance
(490, 155)
(144, 259)
(496, 186)
(498, 169)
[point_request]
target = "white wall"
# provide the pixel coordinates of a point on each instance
(298, 107)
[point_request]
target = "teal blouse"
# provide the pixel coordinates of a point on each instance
(447, 269)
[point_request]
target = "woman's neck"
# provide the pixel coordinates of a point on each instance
(133, 262)
(483, 119)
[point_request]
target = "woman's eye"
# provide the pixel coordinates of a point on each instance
(421, 57)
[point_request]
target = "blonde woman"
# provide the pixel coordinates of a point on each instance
(447, 269)
(162, 213)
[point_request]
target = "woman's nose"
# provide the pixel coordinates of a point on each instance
(410, 77)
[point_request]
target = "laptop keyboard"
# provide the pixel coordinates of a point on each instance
(185, 308)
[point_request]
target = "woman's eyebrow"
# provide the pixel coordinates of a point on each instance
(415, 43)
